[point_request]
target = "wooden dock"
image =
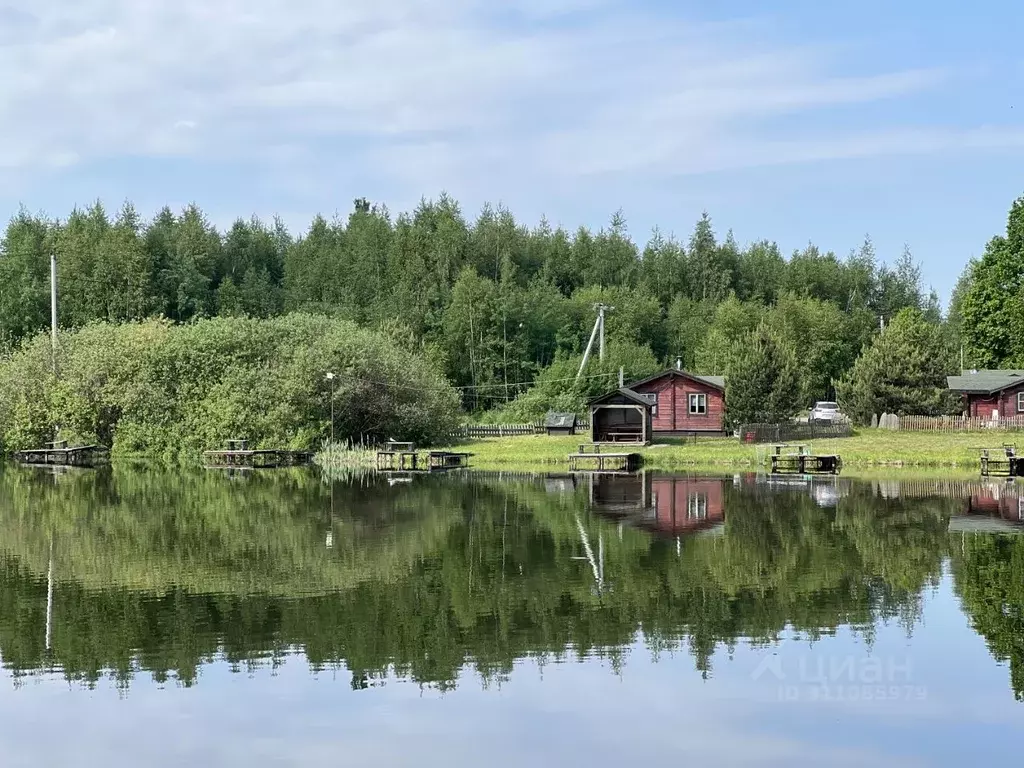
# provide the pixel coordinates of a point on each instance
(595, 457)
(237, 454)
(403, 457)
(59, 454)
(1001, 462)
(797, 459)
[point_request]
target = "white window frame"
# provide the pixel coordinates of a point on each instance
(1020, 402)
(697, 506)
(698, 404)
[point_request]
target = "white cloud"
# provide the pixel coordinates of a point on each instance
(429, 92)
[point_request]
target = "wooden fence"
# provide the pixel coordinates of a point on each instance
(784, 433)
(510, 430)
(957, 423)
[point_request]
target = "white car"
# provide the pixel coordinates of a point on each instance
(825, 412)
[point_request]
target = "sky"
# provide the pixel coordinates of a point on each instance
(793, 121)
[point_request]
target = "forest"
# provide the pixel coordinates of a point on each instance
(504, 310)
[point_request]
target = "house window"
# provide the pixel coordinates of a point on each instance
(697, 506)
(698, 404)
(1020, 402)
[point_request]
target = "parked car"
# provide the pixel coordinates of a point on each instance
(826, 412)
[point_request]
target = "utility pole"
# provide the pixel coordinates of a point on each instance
(598, 329)
(330, 378)
(53, 309)
(881, 323)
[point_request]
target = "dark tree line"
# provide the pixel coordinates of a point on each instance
(495, 301)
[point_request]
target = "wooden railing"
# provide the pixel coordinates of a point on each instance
(957, 423)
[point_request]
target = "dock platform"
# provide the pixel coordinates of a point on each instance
(59, 454)
(1002, 462)
(798, 460)
(237, 454)
(403, 457)
(595, 457)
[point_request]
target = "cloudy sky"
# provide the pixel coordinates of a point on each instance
(786, 120)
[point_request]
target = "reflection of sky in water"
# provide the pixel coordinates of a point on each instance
(565, 714)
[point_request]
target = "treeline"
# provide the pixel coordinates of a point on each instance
(493, 301)
(158, 389)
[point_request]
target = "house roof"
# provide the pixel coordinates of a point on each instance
(718, 382)
(985, 382)
(625, 392)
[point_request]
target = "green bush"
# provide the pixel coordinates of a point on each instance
(163, 390)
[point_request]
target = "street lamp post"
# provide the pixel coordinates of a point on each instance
(330, 378)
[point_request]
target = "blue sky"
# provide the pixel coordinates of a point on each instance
(798, 121)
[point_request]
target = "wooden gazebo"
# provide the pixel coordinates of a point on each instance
(621, 416)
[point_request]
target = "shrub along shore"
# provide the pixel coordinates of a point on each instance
(866, 449)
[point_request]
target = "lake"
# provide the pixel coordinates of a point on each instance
(160, 618)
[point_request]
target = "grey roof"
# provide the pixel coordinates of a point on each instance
(718, 382)
(627, 393)
(985, 381)
(560, 420)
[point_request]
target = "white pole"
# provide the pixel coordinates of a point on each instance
(600, 314)
(49, 598)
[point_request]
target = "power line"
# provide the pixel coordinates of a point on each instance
(361, 380)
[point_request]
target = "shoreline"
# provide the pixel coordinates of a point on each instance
(866, 450)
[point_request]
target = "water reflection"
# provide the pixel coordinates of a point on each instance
(122, 572)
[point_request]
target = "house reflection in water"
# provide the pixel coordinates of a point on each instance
(992, 506)
(663, 504)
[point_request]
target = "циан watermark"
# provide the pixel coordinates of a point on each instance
(840, 678)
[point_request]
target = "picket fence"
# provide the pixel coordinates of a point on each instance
(957, 423)
(510, 430)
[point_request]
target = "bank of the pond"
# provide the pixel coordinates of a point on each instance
(866, 449)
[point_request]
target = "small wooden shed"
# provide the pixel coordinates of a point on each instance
(621, 416)
(560, 423)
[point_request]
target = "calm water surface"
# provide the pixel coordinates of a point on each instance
(156, 618)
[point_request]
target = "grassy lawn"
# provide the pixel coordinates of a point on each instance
(865, 450)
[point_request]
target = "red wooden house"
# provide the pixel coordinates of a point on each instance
(687, 403)
(990, 394)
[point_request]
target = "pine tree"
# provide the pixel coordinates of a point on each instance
(763, 382)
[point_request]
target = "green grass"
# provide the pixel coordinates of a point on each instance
(868, 448)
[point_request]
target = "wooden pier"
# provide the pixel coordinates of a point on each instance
(59, 454)
(403, 457)
(237, 453)
(797, 459)
(1002, 462)
(592, 457)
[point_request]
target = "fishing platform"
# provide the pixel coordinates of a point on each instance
(236, 453)
(797, 459)
(59, 454)
(399, 456)
(1002, 462)
(596, 457)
